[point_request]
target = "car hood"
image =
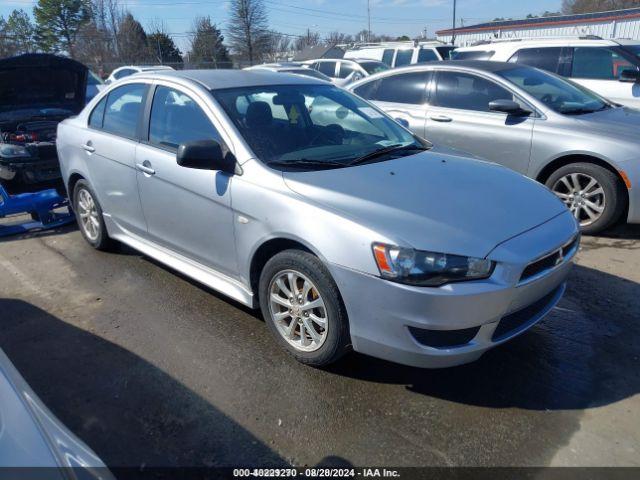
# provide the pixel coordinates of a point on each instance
(433, 201)
(41, 81)
(620, 121)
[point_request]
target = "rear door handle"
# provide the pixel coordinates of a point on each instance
(441, 118)
(88, 147)
(145, 169)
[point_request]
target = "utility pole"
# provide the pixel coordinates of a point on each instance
(453, 32)
(369, 21)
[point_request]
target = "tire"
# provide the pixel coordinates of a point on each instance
(98, 239)
(308, 271)
(612, 200)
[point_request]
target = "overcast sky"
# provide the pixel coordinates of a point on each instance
(392, 17)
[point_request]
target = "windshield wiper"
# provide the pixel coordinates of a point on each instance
(385, 150)
(306, 163)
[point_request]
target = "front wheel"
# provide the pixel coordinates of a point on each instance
(303, 308)
(594, 195)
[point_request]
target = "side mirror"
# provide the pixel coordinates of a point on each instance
(402, 122)
(630, 76)
(205, 155)
(355, 76)
(509, 107)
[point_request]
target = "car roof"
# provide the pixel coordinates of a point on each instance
(483, 65)
(227, 78)
(519, 42)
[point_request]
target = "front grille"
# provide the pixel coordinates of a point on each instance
(549, 261)
(519, 320)
(444, 338)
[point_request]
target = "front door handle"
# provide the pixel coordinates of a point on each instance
(145, 168)
(441, 118)
(88, 147)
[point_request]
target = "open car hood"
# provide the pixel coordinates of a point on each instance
(42, 81)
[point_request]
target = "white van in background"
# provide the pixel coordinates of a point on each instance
(399, 54)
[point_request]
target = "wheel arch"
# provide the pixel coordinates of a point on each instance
(71, 184)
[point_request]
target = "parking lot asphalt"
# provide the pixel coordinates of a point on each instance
(149, 368)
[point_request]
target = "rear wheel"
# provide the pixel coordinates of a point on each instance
(594, 195)
(89, 216)
(303, 309)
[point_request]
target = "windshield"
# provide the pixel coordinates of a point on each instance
(312, 126)
(633, 49)
(374, 67)
(556, 93)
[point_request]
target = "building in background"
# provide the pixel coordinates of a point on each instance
(611, 24)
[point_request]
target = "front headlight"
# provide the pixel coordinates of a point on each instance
(9, 150)
(428, 269)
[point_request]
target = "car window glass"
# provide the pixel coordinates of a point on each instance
(445, 52)
(598, 63)
(176, 118)
(426, 55)
(544, 58)
(95, 119)
(123, 73)
(123, 109)
(387, 56)
(345, 70)
(467, 92)
(403, 88)
(403, 57)
(367, 90)
(328, 68)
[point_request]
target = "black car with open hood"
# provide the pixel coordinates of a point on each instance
(37, 91)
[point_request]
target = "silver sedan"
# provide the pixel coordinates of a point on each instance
(580, 145)
(292, 195)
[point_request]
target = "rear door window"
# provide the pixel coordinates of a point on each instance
(328, 68)
(404, 57)
(95, 119)
(409, 88)
(545, 58)
(426, 55)
(598, 63)
(387, 56)
(123, 109)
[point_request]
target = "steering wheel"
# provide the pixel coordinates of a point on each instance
(333, 133)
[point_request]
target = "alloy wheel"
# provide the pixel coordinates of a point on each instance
(583, 195)
(88, 213)
(298, 310)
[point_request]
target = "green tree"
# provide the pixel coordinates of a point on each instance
(248, 32)
(19, 33)
(58, 23)
(133, 45)
(207, 44)
(163, 49)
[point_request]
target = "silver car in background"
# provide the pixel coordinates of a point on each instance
(293, 195)
(583, 147)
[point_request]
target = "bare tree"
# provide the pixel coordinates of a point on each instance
(338, 38)
(311, 39)
(280, 47)
(248, 30)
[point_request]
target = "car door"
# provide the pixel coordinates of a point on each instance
(328, 68)
(110, 144)
(599, 69)
(187, 210)
(402, 96)
(458, 116)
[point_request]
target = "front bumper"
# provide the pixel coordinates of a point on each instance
(386, 318)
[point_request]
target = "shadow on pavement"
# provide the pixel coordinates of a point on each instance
(127, 410)
(586, 353)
